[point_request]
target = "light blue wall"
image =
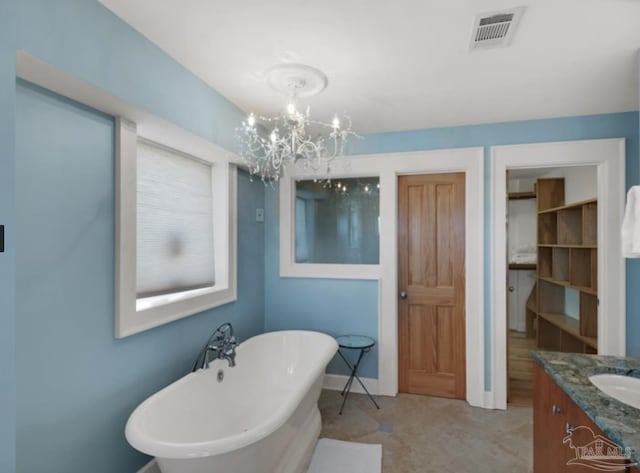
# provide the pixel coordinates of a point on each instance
(332, 306)
(76, 383)
(7, 218)
(87, 40)
(347, 305)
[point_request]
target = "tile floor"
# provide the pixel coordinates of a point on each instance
(422, 434)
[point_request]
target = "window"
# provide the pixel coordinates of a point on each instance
(175, 245)
(337, 222)
(330, 229)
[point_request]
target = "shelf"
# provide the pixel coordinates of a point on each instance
(522, 266)
(521, 195)
(587, 290)
(569, 325)
(587, 247)
(569, 206)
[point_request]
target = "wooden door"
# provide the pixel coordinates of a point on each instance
(431, 246)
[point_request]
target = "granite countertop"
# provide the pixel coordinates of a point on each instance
(571, 371)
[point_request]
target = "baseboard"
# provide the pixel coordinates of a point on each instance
(336, 382)
(151, 467)
(489, 401)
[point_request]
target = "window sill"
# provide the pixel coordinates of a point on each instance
(155, 301)
(170, 307)
(330, 271)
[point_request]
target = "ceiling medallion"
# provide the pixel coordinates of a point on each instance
(269, 144)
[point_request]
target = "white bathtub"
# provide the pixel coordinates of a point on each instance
(262, 417)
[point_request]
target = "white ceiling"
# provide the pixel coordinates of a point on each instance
(406, 64)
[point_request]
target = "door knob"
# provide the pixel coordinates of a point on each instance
(511, 288)
(403, 295)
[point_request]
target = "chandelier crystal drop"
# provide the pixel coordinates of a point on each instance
(269, 144)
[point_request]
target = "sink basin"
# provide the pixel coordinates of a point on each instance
(625, 389)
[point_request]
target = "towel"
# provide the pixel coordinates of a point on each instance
(631, 225)
(523, 259)
(524, 255)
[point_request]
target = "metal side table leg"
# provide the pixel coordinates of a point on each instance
(347, 387)
(354, 374)
(360, 381)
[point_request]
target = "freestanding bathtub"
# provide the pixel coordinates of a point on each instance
(260, 416)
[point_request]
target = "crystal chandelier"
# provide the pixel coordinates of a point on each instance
(269, 144)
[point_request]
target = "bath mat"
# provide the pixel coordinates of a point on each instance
(336, 456)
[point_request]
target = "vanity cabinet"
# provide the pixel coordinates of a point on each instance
(549, 413)
(554, 415)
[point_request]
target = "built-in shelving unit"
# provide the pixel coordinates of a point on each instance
(522, 266)
(521, 195)
(567, 258)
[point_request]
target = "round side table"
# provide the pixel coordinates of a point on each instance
(363, 344)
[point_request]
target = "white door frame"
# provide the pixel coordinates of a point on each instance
(389, 167)
(609, 156)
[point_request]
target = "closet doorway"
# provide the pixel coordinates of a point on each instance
(608, 156)
(552, 255)
(549, 303)
(521, 284)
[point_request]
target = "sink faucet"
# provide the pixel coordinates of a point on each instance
(222, 343)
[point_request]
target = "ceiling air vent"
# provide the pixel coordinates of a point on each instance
(495, 29)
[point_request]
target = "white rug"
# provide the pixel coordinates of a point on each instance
(336, 456)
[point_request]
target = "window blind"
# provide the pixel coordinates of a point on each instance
(175, 249)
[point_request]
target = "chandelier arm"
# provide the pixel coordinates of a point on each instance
(270, 144)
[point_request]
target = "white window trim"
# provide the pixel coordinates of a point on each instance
(389, 167)
(132, 316)
(609, 156)
(159, 130)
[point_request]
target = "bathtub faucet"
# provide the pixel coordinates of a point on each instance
(223, 343)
